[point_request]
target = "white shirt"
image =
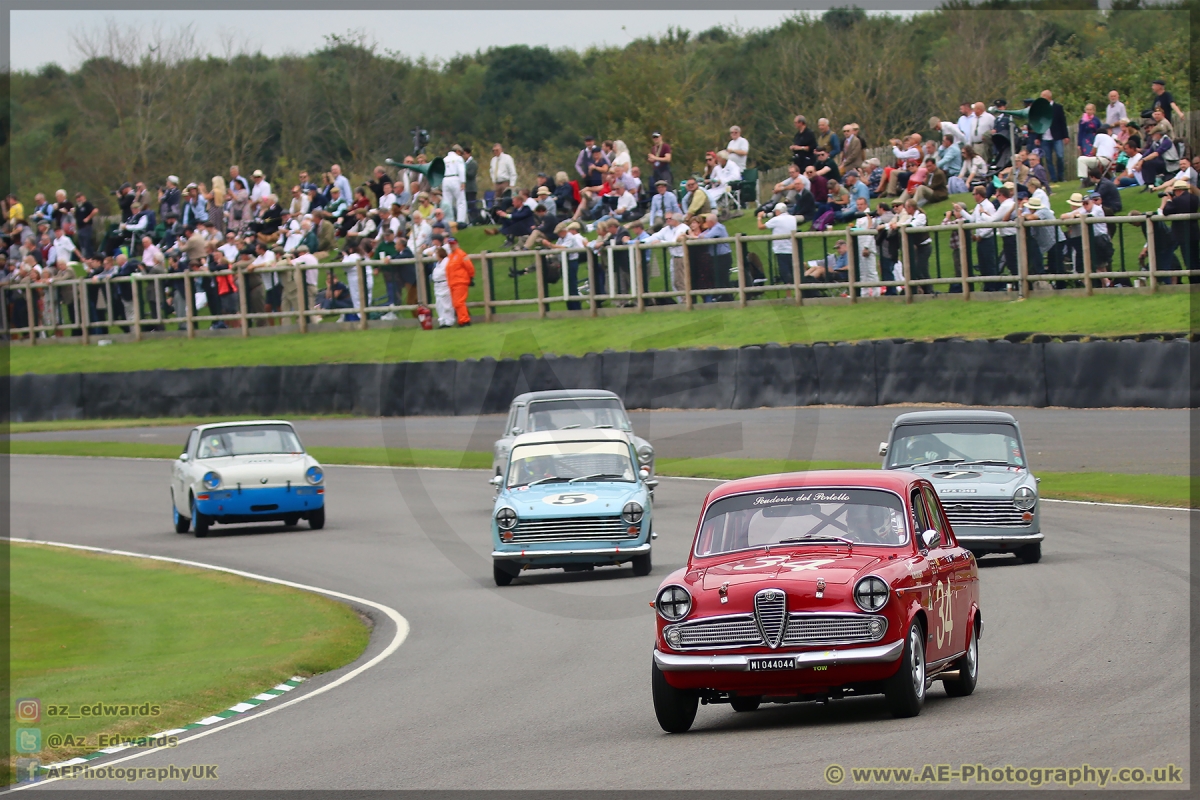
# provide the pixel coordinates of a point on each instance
(421, 234)
(260, 190)
(308, 260)
(984, 124)
(439, 271)
(1115, 113)
(230, 251)
(669, 234)
(455, 166)
(503, 169)
(918, 220)
(1099, 228)
(726, 174)
(267, 259)
(1131, 166)
(781, 224)
(739, 143)
(387, 201)
(1005, 211)
(983, 212)
(626, 202)
(294, 237)
(572, 239)
(63, 247)
(966, 125)
(951, 130)
(1106, 147)
(906, 155)
(151, 256)
(866, 241)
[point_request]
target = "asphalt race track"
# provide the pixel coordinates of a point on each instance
(545, 684)
(1142, 440)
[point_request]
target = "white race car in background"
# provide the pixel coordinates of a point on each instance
(235, 472)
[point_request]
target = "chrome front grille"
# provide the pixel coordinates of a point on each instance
(976, 513)
(770, 610)
(806, 629)
(803, 630)
(571, 529)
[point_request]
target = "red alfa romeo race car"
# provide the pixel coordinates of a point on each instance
(815, 586)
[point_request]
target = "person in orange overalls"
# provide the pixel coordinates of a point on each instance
(459, 274)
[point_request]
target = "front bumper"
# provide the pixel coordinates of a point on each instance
(995, 540)
(268, 503)
(574, 555)
(878, 654)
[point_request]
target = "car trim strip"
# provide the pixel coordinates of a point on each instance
(671, 662)
(1000, 537)
(636, 550)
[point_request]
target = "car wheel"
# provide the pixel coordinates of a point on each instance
(642, 565)
(968, 669)
(1030, 553)
(675, 708)
(503, 573)
(292, 520)
(905, 690)
(316, 519)
(200, 522)
(182, 523)
(745, 703)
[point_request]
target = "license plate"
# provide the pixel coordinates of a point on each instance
(765, 664)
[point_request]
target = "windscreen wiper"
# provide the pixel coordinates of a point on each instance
(984, 461)
(595, 476)
(605, 425)
(817, 537)
(547, 480)
(933, 463)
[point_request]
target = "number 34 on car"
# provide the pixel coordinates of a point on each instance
(815, 586)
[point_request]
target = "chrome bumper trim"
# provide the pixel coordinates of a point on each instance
(1000, 537)
(635, 550)
(670, 662)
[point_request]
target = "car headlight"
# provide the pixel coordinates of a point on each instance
(645, 454)
(1025, 498)
(673, 603)
(632, 513)
(211, 480)
(871, 593)
(674, 637)
(506, 519)
(314, 475)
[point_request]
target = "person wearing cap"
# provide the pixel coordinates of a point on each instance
(1163, 100)
(1103, 152)
(1186, 233)
(459, 274)
(545, 197)
(663, 201)
(259, 188)
(659, 159)
(780, 223)
(1154, 157)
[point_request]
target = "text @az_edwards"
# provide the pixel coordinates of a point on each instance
(983, 775)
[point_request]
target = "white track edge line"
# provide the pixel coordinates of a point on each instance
(402, 629)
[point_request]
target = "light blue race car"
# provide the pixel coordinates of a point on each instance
(573, 500)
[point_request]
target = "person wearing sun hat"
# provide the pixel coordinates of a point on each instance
(1186, 233)
(1074, 233)
(1045, 241)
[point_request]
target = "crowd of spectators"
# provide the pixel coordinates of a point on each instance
(247, 225)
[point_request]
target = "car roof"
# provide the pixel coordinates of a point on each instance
(565, 394)
(869, 478)
(572, 435)
(239, 423)
(956, 415)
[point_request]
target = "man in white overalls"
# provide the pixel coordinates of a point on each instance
(867, 249)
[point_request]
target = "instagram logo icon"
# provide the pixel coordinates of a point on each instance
(29, 710)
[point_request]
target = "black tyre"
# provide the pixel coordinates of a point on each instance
(675, 708)
(503, 573)
(968, 670)
(182, 523)
(642, 565)
(905, 690)
(744, 704)
(1030, 553)
(200, 523)
(316, 519)
(292, 520)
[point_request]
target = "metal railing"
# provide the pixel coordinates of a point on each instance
(628, 276)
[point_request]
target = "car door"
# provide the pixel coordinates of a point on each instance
(939, 608)
(181, 470)
(963, 576)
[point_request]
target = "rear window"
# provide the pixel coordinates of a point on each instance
(596, 412)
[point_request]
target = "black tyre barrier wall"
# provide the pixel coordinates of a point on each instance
(1096, 374)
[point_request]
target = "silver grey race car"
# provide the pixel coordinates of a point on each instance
(567, 409)
(977, 464)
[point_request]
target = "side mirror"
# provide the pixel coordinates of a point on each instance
(643, 473)
(883, 448)
(517, 431)
(496, 480)
(931, 539)
(183, 456)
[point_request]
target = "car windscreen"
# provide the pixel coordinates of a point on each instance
(561, 462)
(741, 522)
(952, 443)
(249, 440)
(594, 412)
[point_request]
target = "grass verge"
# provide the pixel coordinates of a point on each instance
(1102, 315)
(1107, 487)
(90, 628)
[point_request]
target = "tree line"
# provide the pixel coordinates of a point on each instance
(145, 105)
